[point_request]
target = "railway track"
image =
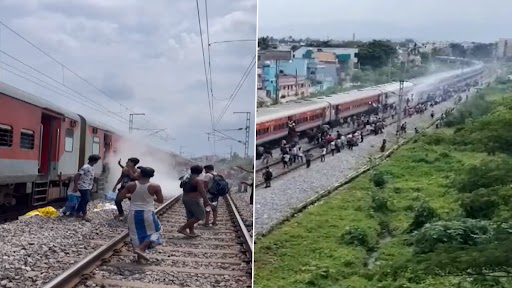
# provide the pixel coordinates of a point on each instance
(220, 257)
(279, 171)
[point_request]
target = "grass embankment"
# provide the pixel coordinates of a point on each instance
(406, 223)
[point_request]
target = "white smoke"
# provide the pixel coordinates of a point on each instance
(159, 160)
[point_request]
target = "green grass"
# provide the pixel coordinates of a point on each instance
(308, 251)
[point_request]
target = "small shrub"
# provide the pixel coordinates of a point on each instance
(480, 204)
(354, 235)
(423, 214)
(380, 203)
(379, 179)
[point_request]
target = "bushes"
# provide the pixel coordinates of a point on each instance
(466, 232)
(379, 179)
(486, 174)
(423, 214)
(481, 204)
(354, 235)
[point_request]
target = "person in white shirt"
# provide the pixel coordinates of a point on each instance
(83, 183)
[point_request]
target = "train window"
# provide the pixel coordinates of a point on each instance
(68, 140)
(5, 136)
(95, 145)
(27, 139)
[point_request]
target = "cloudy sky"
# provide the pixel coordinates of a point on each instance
(146, 55)
(464, 20)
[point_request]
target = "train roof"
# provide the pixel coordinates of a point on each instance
(27, 97)
(24, 96)
(361, 93)
(286, 109)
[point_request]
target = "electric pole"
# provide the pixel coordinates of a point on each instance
(181, 150)
(247, 132)
(276, 98)
(130, 124)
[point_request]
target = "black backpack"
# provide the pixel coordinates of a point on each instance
(268, 175)
(220, 186)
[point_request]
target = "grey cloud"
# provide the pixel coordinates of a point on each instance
(148, 57)
(476, 20)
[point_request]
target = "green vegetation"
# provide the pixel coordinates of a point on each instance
(436, 214)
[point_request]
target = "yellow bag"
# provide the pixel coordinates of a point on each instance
(45, 212)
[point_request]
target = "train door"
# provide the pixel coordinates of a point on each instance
(48, 143)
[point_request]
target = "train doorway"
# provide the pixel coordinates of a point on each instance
(48, 143)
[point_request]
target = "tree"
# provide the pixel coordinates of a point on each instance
(458, 50)
(264, 43)
(376, 54)
(482, 51)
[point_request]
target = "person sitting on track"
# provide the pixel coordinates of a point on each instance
(193, 193)
(143, 225)
(128, 174)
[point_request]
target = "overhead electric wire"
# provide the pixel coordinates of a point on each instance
(64, 66)
(63, 95)
(241, 82)
(34, 69)
(68, 69)
(204, 64)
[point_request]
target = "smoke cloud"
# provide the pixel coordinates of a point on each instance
(149, 156)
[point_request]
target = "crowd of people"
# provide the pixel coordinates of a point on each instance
(202, 188)
(373, 124)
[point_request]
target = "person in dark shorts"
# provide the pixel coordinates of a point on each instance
(194, 199)
(128, 174)
(209, 172)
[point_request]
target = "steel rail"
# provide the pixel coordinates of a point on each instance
(245, 235)
(72, 276)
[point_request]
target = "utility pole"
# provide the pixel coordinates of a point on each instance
(276, 98)
(247, 132)
(130, 124)
(181, 150)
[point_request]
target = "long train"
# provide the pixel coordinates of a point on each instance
(271, 124)
(40, 140)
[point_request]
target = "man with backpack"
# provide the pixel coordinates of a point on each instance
(216, 186)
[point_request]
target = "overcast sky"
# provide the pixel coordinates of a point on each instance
(145, 54)
(463, 20)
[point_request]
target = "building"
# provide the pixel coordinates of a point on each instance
(346, 56)
(289, 85)
(323, 75)
(273, 55)
(504, 49)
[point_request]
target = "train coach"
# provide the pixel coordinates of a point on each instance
(272, 121)
(40, 141)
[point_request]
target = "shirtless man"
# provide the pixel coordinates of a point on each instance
(128, 174)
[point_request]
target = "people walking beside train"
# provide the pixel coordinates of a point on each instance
(194, 199)
(267, 177)
(83, 183)
(332, 147)
(285, 158)
(324, 152)
(300, 154)
(143, 225)
(308, 156)
(129, 173)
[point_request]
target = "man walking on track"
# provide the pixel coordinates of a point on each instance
(143, 225)
(83, 183)
(208, 177)
(194, 199)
